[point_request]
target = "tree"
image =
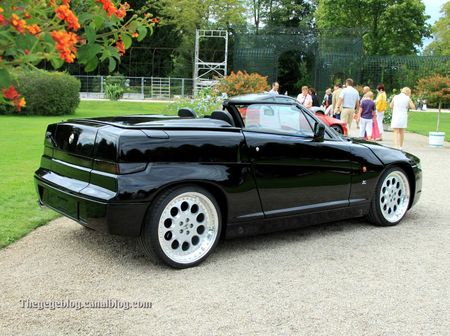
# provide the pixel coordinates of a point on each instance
(441, 34)
(436, 89)
(281, 13)
(257, 8)
(64, 31)
(390, 27)
(188, 15)
(291, 13)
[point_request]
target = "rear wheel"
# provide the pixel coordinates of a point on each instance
(391, 200)
(182, 228)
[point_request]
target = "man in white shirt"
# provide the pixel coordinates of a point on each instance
(275, 88)
(305, 98)
(348, 102)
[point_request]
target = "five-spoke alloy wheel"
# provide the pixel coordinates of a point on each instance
(183, 227)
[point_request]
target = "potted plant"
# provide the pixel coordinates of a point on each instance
(436, 90)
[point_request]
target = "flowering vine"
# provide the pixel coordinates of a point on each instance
(64, 13)
(64, 31)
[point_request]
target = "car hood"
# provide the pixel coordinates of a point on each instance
(386, 154)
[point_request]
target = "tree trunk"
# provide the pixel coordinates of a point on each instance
(439, 117)
(270, 11)
(256, 14)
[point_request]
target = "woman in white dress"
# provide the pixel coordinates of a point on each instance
(400, 105)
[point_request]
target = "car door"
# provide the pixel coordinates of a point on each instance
(295, 174)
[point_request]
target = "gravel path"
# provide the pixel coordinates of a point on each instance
(345, 278)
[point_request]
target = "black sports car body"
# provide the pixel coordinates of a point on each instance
(180, 183)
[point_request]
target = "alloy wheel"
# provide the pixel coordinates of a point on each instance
(394, 196)
(188, 227)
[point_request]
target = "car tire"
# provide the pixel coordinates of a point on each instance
(182, 227)
(338, 129)
(392, 197)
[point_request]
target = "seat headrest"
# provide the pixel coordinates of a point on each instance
(186, 112)
(224, 116)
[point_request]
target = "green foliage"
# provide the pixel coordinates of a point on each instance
(203, 104)
(283, 13)
(182, 61)
(294, 70)
(436, 89)
(114, 91)
(44, 32)
(391, 27)
(441, 34)
(400, 71)
(115, 87)
(178, 28)
(46, 93)
(201, 13)
(305, 74)
(388, 116)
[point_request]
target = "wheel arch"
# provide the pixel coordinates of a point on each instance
(409, 173)
(339, 126)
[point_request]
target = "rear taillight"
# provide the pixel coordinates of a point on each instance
(107, 167)
(119, 168)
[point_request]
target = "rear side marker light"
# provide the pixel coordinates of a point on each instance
(119, 168)
(107, 167)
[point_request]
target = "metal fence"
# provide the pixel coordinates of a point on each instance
(138, 88)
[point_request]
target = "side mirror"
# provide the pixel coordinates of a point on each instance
(319, 132)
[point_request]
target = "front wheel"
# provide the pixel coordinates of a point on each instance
(182, 228)
(391, 200)
(338, 129)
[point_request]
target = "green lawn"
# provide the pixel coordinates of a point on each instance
(424, 122)
(21, 143)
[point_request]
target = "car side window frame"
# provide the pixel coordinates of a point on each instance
(272, 131)
(234, 111)
(311, 115)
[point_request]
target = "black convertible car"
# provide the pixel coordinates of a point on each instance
(181, 183)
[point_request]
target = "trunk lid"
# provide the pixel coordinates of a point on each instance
(69, 152)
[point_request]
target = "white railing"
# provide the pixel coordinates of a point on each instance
(139, 88)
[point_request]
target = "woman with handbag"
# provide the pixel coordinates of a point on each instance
(381, 105)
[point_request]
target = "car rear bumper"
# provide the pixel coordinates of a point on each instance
(124, 219)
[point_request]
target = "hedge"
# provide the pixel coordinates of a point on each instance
(46, 93)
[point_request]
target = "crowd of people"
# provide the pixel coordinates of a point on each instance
(344, 102)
